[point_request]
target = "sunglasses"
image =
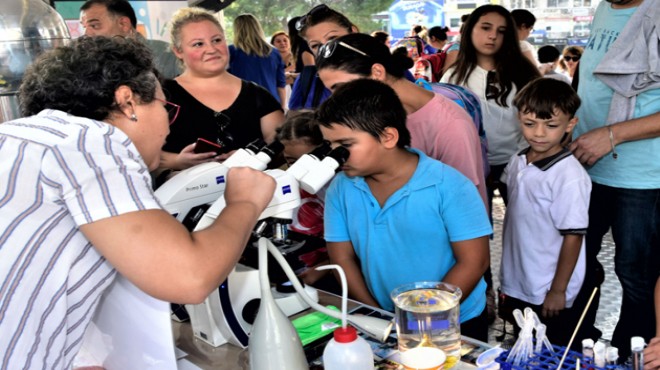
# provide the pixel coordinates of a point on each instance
(222, 121)
(302, 22)
(172, 109)
(326, 50)
(492, 86)
(570, 58)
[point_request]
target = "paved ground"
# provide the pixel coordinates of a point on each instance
(610, 301)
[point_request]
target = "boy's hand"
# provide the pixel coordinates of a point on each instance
(553, 303)
(652, 355)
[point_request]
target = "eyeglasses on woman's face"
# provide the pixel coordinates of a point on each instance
(326, 50)
(302, 22)
(569, 58)
(172, 109)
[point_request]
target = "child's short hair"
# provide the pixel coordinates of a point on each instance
(300, 125)
(366, 105)
(544, 95)
(548, 54)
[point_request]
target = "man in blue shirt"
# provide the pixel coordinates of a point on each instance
(618, 139)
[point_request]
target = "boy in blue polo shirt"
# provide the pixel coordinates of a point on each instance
(543, 255)
(396, 216)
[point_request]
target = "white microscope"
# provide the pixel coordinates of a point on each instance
(227, 314)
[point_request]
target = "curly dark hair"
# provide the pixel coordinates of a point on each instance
(82, 77)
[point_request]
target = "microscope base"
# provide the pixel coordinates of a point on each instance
(226, 316)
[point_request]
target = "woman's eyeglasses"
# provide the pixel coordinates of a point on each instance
(223, 121)
(492, 86)
(570, 58)
(329, 48)
(302, 22)
(172, 109)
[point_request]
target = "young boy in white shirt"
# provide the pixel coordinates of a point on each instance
(543, 255)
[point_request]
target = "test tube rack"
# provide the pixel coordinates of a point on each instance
(547, 360)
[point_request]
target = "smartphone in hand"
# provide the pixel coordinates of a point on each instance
(205, 146)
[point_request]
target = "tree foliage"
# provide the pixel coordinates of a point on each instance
(274, 14)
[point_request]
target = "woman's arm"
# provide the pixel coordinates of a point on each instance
(157, 254)
(269, 123)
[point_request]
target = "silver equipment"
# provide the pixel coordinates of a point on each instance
(28, 28)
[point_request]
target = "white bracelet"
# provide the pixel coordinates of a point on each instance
(615, 155)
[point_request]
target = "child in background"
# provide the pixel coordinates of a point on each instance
(543, 255)
(394, 215)
(549, 56)
(300, 134)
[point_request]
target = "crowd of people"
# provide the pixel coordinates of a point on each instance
(572, 140)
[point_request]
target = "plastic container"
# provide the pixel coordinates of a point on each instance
(347, 350)
(637, 350)
(548, 360)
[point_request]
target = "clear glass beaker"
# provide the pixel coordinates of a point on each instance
(427, 314)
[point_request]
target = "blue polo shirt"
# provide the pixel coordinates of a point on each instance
(409, 238)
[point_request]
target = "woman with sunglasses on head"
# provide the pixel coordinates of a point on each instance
(491, 64)
(320, 25)
(438, 126)
(215, 105)
(78, 210)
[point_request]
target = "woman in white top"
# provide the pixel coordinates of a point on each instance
(491, 64)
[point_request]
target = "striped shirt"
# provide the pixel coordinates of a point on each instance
(58, 172)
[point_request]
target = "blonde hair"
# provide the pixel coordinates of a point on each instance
(185, 16)
(278, 33)
(249, 36)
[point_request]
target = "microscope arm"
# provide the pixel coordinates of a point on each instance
(286, 200)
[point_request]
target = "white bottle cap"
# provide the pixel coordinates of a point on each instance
(588, 343)
(637, 343)
(612, 354)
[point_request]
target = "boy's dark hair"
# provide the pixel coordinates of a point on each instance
(373, 112)
(300, 125)
(118, 8)
(545, 95)
(548, 54)
(523, 17)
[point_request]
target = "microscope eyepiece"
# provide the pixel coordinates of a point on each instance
(321, 151)
(339, 154)
(273, 149)
(255, 145)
